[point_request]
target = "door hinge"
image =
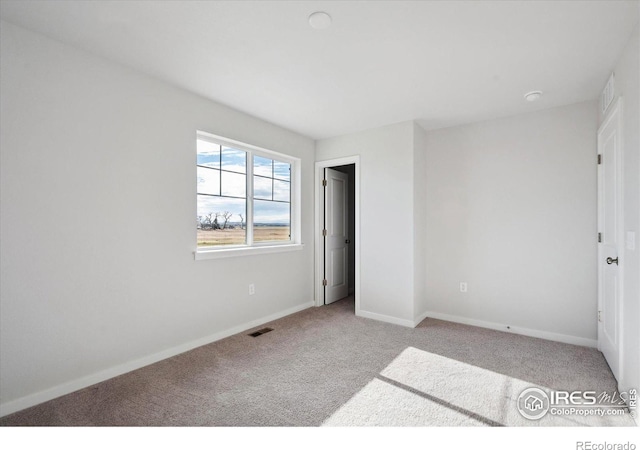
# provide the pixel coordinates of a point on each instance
(599, 159)
(324, 282)
(324, 233)
(599, 237)
(324, 183)
(599, 316)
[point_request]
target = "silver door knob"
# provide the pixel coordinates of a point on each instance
(611, 260)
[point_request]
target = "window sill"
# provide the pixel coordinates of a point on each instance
(245, 251)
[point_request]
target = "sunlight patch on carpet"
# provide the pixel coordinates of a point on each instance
(419, 388)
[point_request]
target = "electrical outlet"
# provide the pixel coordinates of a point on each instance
(252, 289)
(463, 286)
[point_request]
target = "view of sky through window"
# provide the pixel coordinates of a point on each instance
(222, 196)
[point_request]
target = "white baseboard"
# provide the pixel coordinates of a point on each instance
(384, 318)
(565, 338)
(81, 383)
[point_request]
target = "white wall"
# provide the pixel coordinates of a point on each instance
(420, 222)
(511, 210)
(627, 85)
(98, 222)
(386, 217)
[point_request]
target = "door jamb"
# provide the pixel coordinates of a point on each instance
(319, 203)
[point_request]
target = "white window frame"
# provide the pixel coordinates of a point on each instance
(253, 248)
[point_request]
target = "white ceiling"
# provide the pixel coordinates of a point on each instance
(441, 63)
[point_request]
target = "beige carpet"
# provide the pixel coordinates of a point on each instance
(423, 389)
(324, 366)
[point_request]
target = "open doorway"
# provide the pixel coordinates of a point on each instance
(337, 225)
(338, 232)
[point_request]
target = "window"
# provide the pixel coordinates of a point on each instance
(244, 195)
(271, 200)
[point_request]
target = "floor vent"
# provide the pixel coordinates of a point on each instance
(259, 332)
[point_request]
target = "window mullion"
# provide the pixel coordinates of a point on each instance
(249, 226)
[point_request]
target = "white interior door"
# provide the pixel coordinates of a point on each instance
(610, 237)
(335, 236)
